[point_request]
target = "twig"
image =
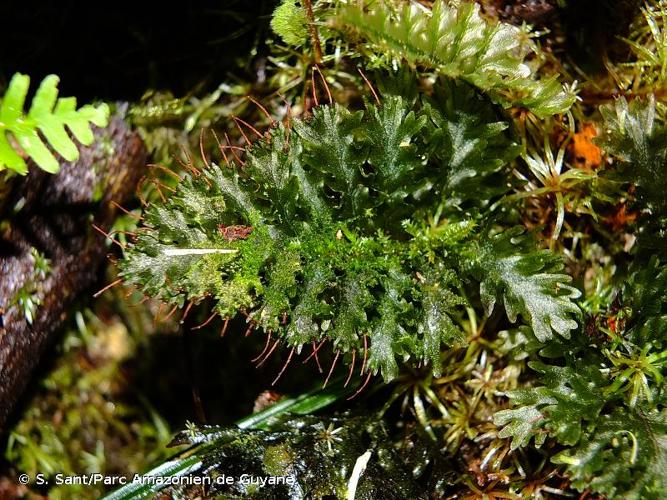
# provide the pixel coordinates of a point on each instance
(210, 318)
(377, 99)
(368, 378)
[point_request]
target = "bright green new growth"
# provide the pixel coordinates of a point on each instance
(48, 116)
(289, 21)
(648, 42)
(328, 257)
(458, 43)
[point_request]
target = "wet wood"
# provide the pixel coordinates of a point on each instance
(52, 216)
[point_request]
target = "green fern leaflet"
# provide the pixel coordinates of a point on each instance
(459, 43)
(49, 118)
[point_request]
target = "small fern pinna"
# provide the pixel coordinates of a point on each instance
(367, 229)
(50, 116)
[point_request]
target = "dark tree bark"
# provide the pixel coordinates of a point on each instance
(54, 215)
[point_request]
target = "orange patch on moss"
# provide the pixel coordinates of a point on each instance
(585, 153)
(620, 218)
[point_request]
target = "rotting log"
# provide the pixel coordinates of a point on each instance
(52, 216)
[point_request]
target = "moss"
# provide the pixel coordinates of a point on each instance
(278, 460)
(29, 297)
(82, 418)
(314, 456)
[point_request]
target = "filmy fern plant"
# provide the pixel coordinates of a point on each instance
(603, 398)
(306, 236)
(457, 42)
(50, 118)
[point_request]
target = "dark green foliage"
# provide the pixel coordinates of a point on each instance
(317, 255)
(646, 293)
(622, 453)
(529, 282)
(603, 397)
(568, 397)
(412, 233)
(467, 134)
(324, 255)
(605, 402)
(625, 456)
(634, 135)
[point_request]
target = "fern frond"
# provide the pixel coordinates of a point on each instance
(50, 116)
(468, 135)
(315, 252)
(528, 281)
(458, 43)
(632, 133)
(568, 397)
(618, 454)
(624, 457)
(307, 237)
(605, 403)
